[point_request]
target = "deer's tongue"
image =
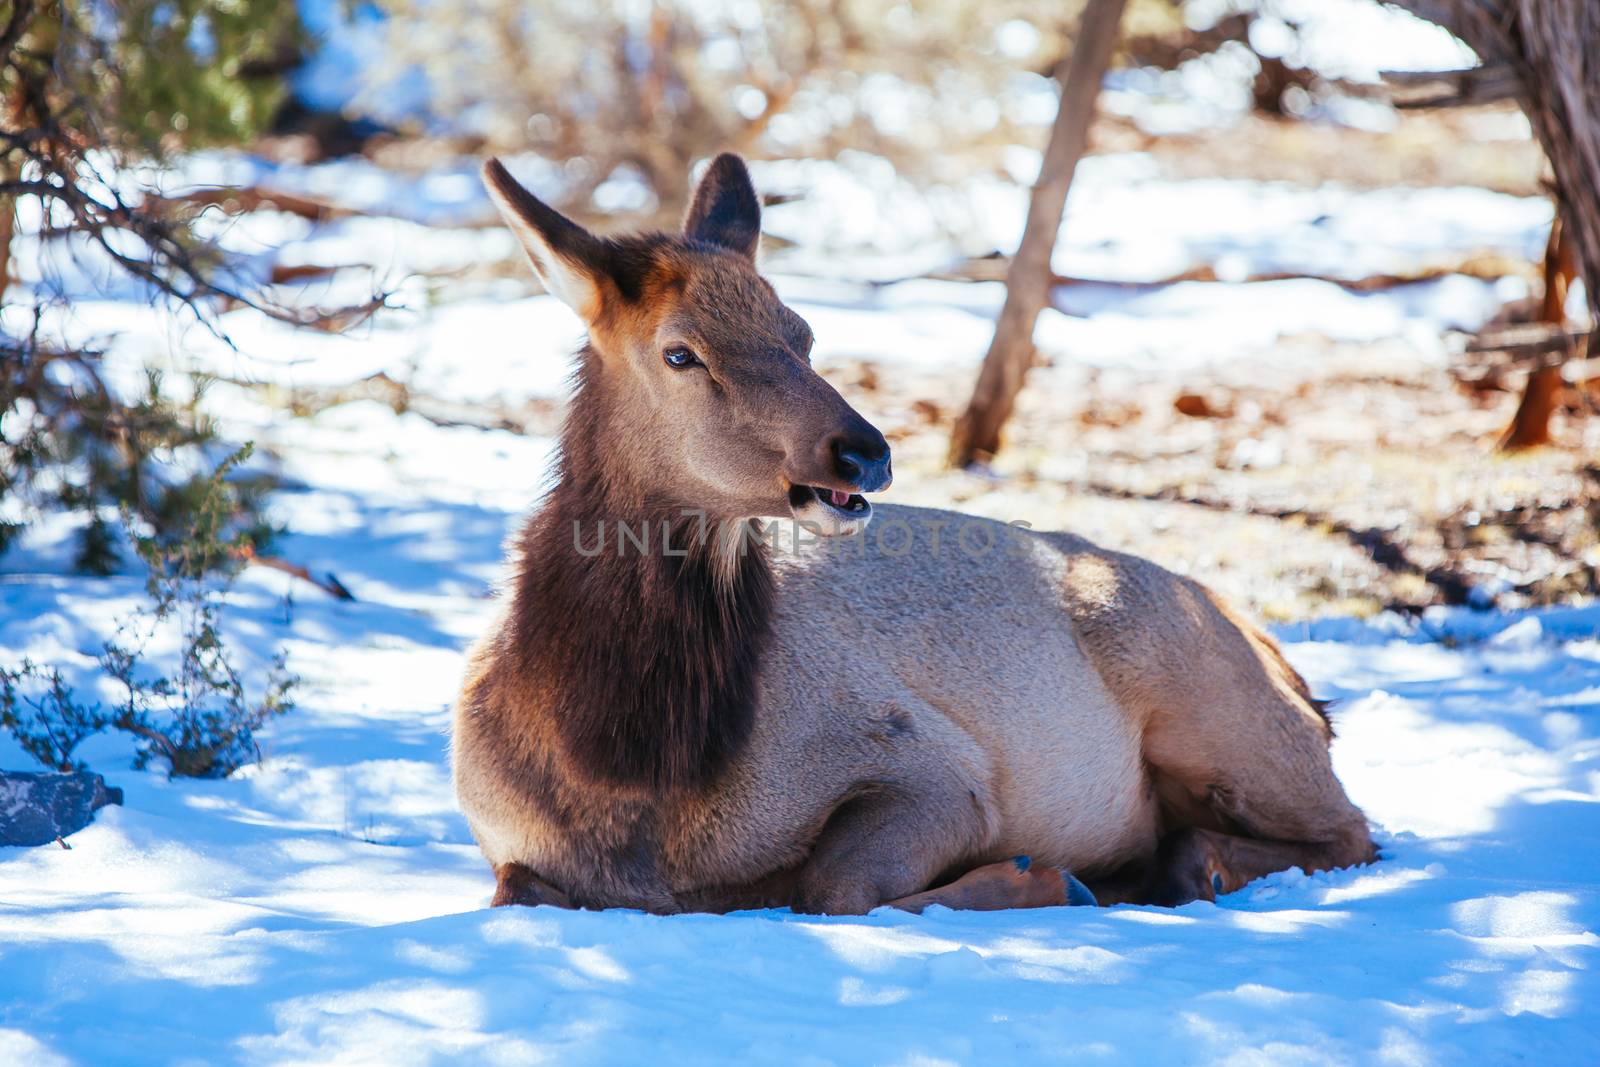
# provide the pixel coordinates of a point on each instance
(839, 499)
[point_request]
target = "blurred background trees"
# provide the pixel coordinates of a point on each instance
(930, 117)
(675, 81)
(1530, 51)
(932, 87)
(639, 92)
(1028, 279)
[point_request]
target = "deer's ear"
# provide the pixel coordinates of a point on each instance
(725, 210)
(566, 257)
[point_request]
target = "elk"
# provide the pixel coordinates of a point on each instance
(695, 716)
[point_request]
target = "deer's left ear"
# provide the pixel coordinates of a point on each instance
(725, 210)
(569, 260)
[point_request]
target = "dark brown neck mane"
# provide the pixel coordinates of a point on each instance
(651, 657)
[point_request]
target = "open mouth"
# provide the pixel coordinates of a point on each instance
(846, 505)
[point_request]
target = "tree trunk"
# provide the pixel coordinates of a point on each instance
(1530, 426)
(11, 115)
(8, 225)
(1553, 46)
(977, 432)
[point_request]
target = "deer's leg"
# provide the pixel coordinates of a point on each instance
(516, 884)
(1128, 884)
(1234, 815)
(1238, 754)
(1196, 864)
(1247, 788)
(888, 845)
(1248, 814)
(1013, 883)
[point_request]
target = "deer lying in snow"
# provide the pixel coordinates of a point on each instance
(671, 715)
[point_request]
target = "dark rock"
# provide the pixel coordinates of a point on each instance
(35, 809)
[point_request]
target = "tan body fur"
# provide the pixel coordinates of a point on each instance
(1034, 695)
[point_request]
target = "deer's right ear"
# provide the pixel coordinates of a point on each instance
(565, 256)
(725, 209)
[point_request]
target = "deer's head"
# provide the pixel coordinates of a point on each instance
(704, 396)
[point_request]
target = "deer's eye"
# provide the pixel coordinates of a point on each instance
(680, 358)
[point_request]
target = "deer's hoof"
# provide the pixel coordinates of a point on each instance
(1078, 894)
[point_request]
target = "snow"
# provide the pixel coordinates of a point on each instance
(1356, 39)
(328, 905)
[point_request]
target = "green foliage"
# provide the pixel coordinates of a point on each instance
(199, 719)
(209, 71)
(87, 88)
(40, 710)
(68, 442)
(88, 92)
(149, 76)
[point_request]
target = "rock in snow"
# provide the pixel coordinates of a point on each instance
(35, 809)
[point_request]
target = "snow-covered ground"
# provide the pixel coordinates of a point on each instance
(328, 905)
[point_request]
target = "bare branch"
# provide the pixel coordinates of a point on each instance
(1452, 88)
(49, 146)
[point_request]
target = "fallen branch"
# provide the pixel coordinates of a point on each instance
(236, 200)
(1475, 86)
(329, 583)
(1487, 266)
(537, 416)
(304, 272)
(1530, 340)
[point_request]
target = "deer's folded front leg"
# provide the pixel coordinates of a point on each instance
(1012, 883)
(888, 844)
(517, 884)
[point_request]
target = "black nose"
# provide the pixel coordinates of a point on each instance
(861, 458)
